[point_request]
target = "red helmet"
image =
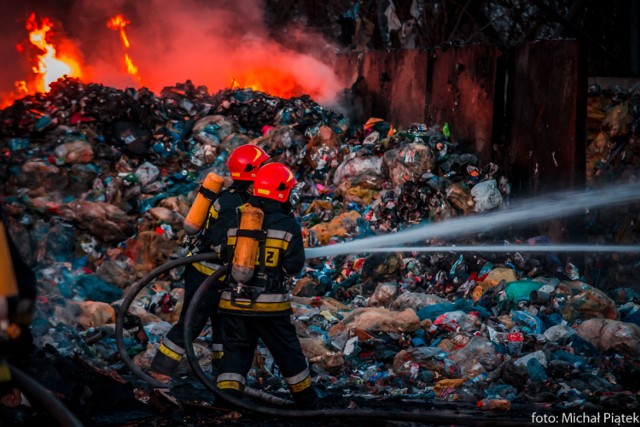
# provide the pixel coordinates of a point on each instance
(274, 181)
(244, 162)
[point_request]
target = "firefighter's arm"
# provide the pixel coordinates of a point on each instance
(224, 216)
(207, 193)
(294, 257)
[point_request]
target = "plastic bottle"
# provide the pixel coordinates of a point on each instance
(502, 404)
(515, 341)
(198, 212)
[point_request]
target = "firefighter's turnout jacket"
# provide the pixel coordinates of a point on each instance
(222, 216)
(282, 252)
(262, 308)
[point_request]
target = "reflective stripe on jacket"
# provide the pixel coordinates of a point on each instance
(281, 254)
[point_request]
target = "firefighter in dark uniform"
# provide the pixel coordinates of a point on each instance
(243, 165)
(17, 296)
(260, 308)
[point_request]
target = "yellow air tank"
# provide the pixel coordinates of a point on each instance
(246, 251)
(206, 195)
(8, 283)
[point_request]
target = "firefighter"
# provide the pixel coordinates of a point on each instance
(258, 306)
(243, 164)
(17, 296)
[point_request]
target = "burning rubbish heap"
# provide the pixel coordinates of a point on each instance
(98, 182)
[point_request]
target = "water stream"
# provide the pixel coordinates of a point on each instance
(526, 212)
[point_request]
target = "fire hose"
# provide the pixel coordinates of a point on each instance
(431, 417)
(124, 309)
(37, 393)
(381, 243)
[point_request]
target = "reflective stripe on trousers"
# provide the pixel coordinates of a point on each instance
(230, 380)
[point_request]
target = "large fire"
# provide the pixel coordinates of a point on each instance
(217, 52)
(118, 23)
(49, 63)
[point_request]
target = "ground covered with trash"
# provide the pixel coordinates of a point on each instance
(98, 182)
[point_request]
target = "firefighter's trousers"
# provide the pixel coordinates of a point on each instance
(241, 334)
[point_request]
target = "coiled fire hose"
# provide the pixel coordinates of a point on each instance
(431, 417)
(124, 309)
(38, 394)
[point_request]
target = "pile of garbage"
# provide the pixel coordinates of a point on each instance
(613, 156)
(99, 180)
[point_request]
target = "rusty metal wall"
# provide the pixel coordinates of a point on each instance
(546, 120)
(463, 92)
(535, 129)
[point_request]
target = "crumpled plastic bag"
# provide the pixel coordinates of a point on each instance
(607, 334)
(373, 319)
(211, 130)
(459, 195)
(478, 356)
(316, 351)
(363, 165)
(434, 359)
(149, 250)
(486, 195)
(520, 290)
(104, 220)
(38, 173)
(416, 301)
(72, 152)
(146, 173)
(558, 332)
(586, 302)
(340, 226)
(408, 163)
(538, 355)
(457, 320)
(322, 150)
(383, 295)
(87, 314)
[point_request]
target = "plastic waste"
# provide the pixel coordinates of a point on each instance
(478, 356)
(521, 290)
(515, 341)
(486, 195)
(456, 320)
(538, 355)
(134, 138)
(17, 144)
(606, 334)
(499, 404)
(536, 370)
(530, 324)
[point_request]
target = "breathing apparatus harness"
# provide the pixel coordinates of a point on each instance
(196, 223)
(250, 246)
(207, 193)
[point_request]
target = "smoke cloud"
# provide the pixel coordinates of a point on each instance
(211, 43)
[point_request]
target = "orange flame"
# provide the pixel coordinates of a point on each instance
(118, 23)
(50, 65)
(272, 81)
